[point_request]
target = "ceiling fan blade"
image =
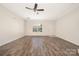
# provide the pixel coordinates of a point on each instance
(35, 7)
(28, 8)
(40, 9)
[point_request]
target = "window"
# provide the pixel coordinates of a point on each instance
(37, 28)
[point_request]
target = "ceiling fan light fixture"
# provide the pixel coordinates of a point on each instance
(37, 13)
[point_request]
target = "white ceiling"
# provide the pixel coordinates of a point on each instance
(52, 11)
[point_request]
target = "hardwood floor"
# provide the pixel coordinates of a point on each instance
(39, 46)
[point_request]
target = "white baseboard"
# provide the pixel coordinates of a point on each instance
(52, 36)
(10, 40)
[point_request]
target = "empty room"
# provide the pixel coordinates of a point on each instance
(39, 29)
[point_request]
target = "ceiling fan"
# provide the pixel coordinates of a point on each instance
(35, 8)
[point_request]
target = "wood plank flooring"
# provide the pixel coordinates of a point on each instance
(39, 46)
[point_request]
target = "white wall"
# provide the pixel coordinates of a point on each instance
(11, 26)
(48, 27)
(68, 27)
